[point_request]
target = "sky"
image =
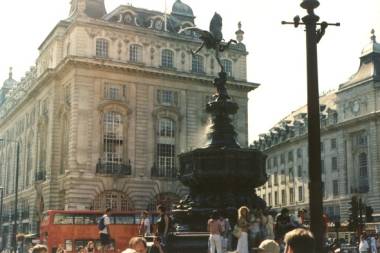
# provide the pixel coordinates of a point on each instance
(277, 55)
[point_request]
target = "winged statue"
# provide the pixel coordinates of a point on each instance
(212, 39)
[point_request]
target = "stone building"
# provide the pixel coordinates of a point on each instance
(112, 100)
(350, 134)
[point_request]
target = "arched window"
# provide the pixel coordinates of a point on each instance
(135, 53)
(167, 58)
(102, 48)
(166, 149)
(227, 64)
(197, 64)
(113, 138)
(117, 201)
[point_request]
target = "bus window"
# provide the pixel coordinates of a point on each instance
(124, 219)
(64, 219)
(85, 219)
(69, 245)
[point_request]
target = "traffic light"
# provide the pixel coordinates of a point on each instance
(368, 214)
(353, 220)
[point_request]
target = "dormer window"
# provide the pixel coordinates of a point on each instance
(102, 48)
(167, 58)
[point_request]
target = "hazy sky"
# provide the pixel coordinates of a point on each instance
(276, 57)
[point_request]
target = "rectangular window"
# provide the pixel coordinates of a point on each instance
(166, 156)
(282, 158)
(135, 54)
(276, 198)
(334, 163)
(300, 193)
(167, 97)
(333, 143)
(275, 176)
(291, 195)
(299, 171)
(102, 48)
(335, 188)
(283, 197)
(290, 156)
(197, 64)
(291, 175)
(269, 199)
(275, 162)
(114, 92)
(270, 181)
(283, 180)
(299, 153)
(322, 146)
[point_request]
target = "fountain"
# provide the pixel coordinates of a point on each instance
(222, 175)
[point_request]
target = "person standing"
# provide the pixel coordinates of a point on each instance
(144, 229)
(226, 234)
(372, 244)
(215, 228)
(363, 245)
(103, 225)
(243, 224)
(163, 224)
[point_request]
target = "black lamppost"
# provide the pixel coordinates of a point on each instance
(1, 217)
(14, 232)
(314, 136)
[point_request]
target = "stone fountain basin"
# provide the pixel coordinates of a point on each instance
(227, 168)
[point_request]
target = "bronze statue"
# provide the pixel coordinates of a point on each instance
(212, 39)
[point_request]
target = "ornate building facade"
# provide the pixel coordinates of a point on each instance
(350, 134)
(112, 100)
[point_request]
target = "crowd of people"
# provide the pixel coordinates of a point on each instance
(254, 229)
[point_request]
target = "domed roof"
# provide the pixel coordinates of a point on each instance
(182, 9)
(372, 47)
(10, 82)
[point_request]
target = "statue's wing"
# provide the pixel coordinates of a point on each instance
(216, 27)
(194, 29)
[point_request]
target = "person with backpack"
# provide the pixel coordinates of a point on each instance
(104, 231)
(163, 224)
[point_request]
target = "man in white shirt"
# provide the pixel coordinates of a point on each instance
(105, 238)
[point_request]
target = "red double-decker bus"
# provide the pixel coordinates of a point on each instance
(74, 229)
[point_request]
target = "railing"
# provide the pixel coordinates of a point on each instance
(40, 176)
(113, 169)
(164, 172)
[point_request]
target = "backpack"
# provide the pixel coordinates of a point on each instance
(101, 224)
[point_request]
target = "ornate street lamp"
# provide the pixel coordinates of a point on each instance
(14, 232)
(313, 36)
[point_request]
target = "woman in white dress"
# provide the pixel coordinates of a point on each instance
(243, 224)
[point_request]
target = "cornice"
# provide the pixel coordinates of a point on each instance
(159, 72)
